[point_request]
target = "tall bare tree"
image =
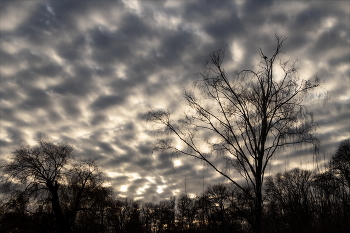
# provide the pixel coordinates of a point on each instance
(245, 120)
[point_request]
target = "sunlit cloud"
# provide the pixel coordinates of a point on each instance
(160, 188)
(124, 188)
(177, 163)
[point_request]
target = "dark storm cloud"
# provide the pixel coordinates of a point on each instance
(119, 46)
(3, 143)
(330, 39)
(9, 93)
(309, 18)
(123, 86)
(6, 58)
(15, 135)
(54, 116)
(8, 115)
(51, 17)
(48, 70)
(109, 47)
(186, 169)
(224, 28)
(141, 163)
(33, 59)
(122, 140)
(98, 119)
(37, 98)
(107, 101)
(145, 148)
(117, 161)
(164, 164)
(140, 181)
(78, 86)
(206, 11)
(71, 107)
(105, 147)
(175, 45)
(340, 60)
(73, 50)
(254, 10)
(145, 163)
(40, 65)
(38, 25)
(154, 88)
(133, 188)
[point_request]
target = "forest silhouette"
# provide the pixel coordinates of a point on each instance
(244, 121)
(48, 190)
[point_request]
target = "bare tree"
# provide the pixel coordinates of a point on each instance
(204, 207)
(340, 162)
(147, 216)
(186, 213)
(219, 195)
(291, 193)
(245, 119)
(48, 173)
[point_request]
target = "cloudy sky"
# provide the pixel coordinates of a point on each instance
(85, 72)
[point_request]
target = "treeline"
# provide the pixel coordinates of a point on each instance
(47, 191)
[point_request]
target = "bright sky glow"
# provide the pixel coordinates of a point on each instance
(177, 163)
(160, 188)
(124, 188)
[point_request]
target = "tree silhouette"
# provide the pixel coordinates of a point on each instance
(186, 213)
(219, 197)
(244, 120)
(340, 162)
(291, 193)
(48, 174)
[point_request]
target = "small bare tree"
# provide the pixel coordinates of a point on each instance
(245, 119)
(340, 162)
(49, 174)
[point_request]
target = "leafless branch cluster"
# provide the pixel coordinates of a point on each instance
(245, 120)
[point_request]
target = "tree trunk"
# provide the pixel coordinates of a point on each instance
(258, 213)
(63, 226)
(258, 200)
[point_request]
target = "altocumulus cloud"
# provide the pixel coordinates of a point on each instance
(84, 73)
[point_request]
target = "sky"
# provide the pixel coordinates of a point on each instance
(85, 73)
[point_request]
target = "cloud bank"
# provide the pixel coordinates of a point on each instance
(85, 73)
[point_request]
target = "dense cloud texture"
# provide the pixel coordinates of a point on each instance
(85, 73)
